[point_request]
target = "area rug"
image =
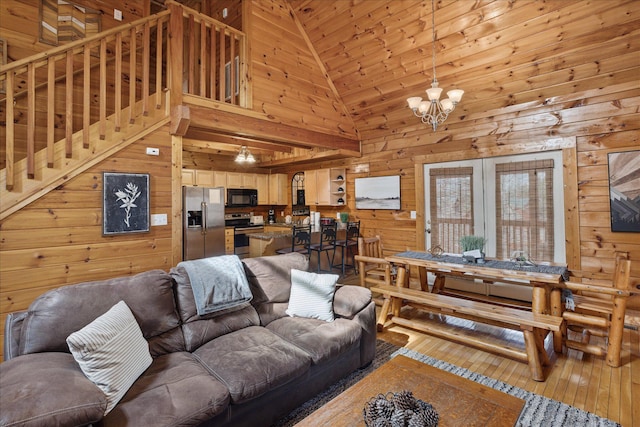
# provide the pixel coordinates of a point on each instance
(538, 410)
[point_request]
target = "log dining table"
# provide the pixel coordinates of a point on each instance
(544, 279)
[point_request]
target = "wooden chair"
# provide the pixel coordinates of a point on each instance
(372, 267)
(300, 241)
(348, 244)
(600, 311)
(326, 244)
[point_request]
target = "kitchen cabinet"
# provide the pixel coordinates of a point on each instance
(229, 245)
(325, 187)
(219, 179)
(316, 189)
(234, 180)
(262, 185)
(197, 177)
(241, 180)
(278, 189)
(261, 182)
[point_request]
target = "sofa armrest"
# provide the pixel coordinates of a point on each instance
(48, 389)
(12, 330)
(349, 300)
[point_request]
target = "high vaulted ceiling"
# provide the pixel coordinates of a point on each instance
(513, 58)
(377, 53)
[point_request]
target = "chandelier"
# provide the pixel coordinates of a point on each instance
(434, 111)
(245, 156)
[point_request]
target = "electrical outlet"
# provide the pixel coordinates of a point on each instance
(117, 14)
(153, 151)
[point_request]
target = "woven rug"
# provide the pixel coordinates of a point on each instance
(538, 410)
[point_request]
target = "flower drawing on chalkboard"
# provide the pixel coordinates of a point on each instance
(127, 197)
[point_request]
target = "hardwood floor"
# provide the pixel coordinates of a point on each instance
(583, 381)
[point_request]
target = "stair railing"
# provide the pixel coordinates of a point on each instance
(53, 95)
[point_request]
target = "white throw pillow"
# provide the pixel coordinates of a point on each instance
(112, 352)
(312, 295)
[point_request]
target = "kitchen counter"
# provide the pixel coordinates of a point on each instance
(268, 235)
(268, 242)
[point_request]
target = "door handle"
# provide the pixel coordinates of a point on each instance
(203, 205)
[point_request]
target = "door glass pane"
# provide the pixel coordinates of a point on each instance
(451, 206)
(524, 209)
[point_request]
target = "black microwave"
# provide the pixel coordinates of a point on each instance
(241, 197)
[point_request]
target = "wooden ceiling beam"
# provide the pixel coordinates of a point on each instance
(235, 141)
(311, 158)
(222, 147)
(253, 127)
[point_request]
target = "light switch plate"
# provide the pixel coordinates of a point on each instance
(158, 219)
(153, 151)
(117, 14)
(413, 214)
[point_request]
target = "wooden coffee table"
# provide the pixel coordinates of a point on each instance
(458, 401)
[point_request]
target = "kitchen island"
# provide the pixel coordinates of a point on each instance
(279, 236)
(267, 242)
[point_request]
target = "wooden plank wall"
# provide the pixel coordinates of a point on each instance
(537, 77)
(58, 239)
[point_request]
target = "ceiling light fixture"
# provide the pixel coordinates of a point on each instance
(245, 156)
(433, 111)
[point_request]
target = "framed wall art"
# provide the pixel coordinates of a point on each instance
(624, 191)
(125, 203)
(382, 192)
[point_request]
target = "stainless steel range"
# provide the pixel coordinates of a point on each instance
(241, 223)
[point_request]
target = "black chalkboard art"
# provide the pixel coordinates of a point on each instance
(125, 202)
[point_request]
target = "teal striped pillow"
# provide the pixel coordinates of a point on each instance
(112, 352)
(312, 295)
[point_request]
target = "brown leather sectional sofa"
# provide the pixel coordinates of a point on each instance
(244, 368)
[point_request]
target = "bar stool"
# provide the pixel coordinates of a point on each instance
(300, 241)
(348, 244)
(327, 239)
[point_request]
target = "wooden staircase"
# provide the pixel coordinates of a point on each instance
(71, 107)
(64, 168)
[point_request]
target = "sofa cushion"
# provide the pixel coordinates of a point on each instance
(111, 352)
(54, 315)
(176, 390)
(322, 340)
(252, 361)
(198, 330)
(312, 295)
(270, 276)
(46, 389)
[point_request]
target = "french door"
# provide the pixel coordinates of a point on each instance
(515, 202)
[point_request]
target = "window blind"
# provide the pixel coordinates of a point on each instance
(524, 209)
(451, 205)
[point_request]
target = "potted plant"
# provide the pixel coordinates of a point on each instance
(473, 248)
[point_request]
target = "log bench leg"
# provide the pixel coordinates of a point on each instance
(384, 312)
(533, 355)
(556, 310)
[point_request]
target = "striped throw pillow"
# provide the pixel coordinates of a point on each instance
(111, 352)
(312, 295)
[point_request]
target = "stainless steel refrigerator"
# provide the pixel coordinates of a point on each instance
(203, 230)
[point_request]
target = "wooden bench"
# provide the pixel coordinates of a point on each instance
(600, 311)
(534, 326)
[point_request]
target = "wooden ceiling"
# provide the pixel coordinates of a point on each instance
(501, 53)
(508, 56)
